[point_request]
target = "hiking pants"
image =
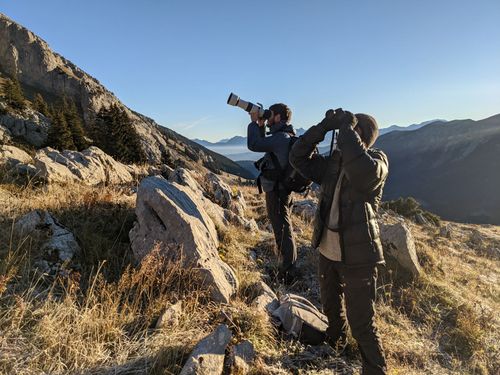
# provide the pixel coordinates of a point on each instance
(348, 295)
(278, 204)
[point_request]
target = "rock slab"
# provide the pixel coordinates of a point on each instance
(60, 244)
(399, 244)
(207, 358)
(171, 216)
(91, 166)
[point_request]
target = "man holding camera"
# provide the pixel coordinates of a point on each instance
(345, 227)
(278, 199)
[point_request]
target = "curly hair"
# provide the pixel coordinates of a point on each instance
(283, 110)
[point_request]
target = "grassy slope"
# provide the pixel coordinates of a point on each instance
(101, 319)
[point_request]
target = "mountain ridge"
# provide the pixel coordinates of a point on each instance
(451, 168)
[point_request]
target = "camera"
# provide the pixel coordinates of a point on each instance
(235, 100)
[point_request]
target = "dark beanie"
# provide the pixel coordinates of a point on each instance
(369, 128)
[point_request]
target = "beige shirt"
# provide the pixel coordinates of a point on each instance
(330, 240)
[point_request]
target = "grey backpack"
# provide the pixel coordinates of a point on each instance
(301, 319)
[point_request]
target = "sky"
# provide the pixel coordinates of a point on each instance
(403, 62)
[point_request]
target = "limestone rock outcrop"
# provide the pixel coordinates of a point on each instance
(91, 166)
(58, 246)
(25, 55)
(172, 216)
(10, 156)
(31, 126)
(224, 196)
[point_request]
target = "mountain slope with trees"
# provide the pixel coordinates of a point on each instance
(28, 64)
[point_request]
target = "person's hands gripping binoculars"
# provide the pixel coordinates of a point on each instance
(334, 119)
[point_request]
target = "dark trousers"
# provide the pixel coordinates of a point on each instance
(278, 203)
(348, 295)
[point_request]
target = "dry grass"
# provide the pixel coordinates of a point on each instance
(101, 319)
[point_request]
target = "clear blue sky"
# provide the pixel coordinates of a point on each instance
(176, 61)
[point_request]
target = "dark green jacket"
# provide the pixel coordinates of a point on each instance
(360, 194)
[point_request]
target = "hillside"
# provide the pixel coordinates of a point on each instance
(99, 314)
(40, 70)
(451, 168)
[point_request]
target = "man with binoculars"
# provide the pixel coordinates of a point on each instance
(345, 227)
(278, 198)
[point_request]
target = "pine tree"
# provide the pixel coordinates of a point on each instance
(41, 105)
(59, 136)
(114, 133)
(75, 126)
(101, 131)
(14, 94)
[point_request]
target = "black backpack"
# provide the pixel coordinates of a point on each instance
(291, 179)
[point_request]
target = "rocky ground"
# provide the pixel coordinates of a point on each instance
(91, 282)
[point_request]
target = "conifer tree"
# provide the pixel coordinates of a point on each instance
(14, 94)
(41, 105)
(75, 126)
(115, 134)
(59, 136)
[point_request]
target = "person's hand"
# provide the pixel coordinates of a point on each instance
(334, 119)
(254, 116)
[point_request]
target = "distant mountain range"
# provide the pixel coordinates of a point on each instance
(235, 148)
(409, 127)
(452, 168)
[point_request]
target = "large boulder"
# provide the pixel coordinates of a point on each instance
(91, 166)
(399, 245)
(172, 216)
(207, 358)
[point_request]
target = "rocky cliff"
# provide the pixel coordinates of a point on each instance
(39, 69)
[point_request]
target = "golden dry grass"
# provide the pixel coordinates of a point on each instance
(101, 320)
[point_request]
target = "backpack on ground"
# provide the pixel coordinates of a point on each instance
(289, 177)
(301, 319)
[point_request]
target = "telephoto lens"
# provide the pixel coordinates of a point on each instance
(235, 100)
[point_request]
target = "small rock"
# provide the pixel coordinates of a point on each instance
(420, 219)
(242, 357)
(476, 238)
(305, 208)
(171, 316)
(446, 231)
(267, 300)
(183, 177)
(61, 243)
(207, 358)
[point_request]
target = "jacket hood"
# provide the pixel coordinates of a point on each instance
(282, 127)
